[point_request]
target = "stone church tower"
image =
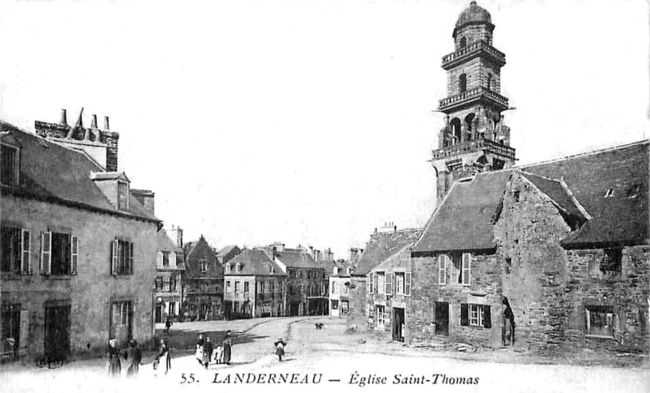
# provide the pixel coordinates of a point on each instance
(474, 138)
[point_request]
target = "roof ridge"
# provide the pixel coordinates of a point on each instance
(584, 154)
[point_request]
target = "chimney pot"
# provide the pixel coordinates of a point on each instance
(106, 124)
(94, 122)
(64, 117)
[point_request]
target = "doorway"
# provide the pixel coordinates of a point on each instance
(441, 318)
(57, 331)
(398, 324)
(159, 313)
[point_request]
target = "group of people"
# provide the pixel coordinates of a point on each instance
(206, 353)
(133, 358)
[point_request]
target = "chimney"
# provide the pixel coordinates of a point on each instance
(176, 234)
(146, 198)
(64, 118)
(106, 124)
(94, 122)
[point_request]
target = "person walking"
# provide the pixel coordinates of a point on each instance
(207, 351)
(133, 356)
(227, 347)
(113, 359)
(164, 359)
(279, 348)
(168, 324)
(507, 323)
(199, 349)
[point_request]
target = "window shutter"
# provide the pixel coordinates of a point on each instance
(74, 245)
(464, 317)
(375, 278)
(172, 259)
(487, 317)
(389, 283)
(115, 256)
(394, 282)
(442, 269)
(467, 268)
(25, 265)
(24, 329)
(130, 258)
(159, 260)
(371, 279)
(46, 252)
(407, 284)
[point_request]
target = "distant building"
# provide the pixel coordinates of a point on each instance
(78, 249)
(255, 286)
(339, 289)
(168, 288)
(202, 282)
(227, 253)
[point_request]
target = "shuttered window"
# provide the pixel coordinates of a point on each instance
(442, 269)
(407, 286)
(467, 268)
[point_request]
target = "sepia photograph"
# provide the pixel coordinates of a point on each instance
(316, 195)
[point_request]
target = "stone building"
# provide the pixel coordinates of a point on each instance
(202, 282)
(339, 292)
(384, 243)
(227, 253)
(168, 288)
(255, 286)
(566, 241)
(78, 249)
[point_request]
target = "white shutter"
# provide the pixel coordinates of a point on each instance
(74, 254)
(24, 330)
(115, 256)
(407, 284)
(442, 269)
(159, 260)
(467, 268)
(46, 252)
(25, 265)
(172, 259)
(371, 276)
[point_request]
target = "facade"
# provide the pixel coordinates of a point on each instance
(383, 244)
(339, 288)
(255, 286)
(307, 283)
(474, 138)
(168, 288)
(202, 282)
(227, 253)
(78, 249)
(565, 241)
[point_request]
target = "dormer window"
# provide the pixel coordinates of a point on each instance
(9, 166)
(227, 268)
(270, 269)
(238, 267)
(123, 195)
(172, 259)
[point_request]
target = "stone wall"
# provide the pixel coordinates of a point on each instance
(91, 291)
(358, 316)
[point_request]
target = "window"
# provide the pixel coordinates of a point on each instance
(172, 259)
(9, 166)
(335, 286)
(389, 283)
(122, 312)
(380, 281)
(15, 248)
(228, 287)
(122, 195)
(246, 287)
(158, 283)
(462, 83)
(238, 267)
(237, 286)
(442, 269)
(508, 265)
(609, 193)
(463, 42)
(308, 273)
(227, 268)
(346, 289)
(166, 284)
(399, 283)
(172, 308)
(516, 195)
(380, 314)
(203, 264)
(59, 253)
(172, 284)
(159, 259)
(270, 269)
(475, 315)
(122, 258)
(611, 263)
(600, 320)
(489, 82)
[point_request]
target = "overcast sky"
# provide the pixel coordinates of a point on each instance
(311, 121)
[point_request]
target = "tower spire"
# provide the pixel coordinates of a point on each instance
(474, 138)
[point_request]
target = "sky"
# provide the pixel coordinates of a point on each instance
(312, 122)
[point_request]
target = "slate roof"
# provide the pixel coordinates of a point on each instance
(253, 263)
(225, 250)
(381, 246)
(621, 218)
(464, 219)
(53, 173)
(297, 259)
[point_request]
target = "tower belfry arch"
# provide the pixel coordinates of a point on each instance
(474, 138)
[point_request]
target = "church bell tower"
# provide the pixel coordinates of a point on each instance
(474, 138)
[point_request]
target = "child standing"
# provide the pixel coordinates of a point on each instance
(279, 348)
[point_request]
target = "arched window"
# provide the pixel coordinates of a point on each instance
(489, 82)
(469, 124)
(463, 42)
(455, 131)
(462, 83)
